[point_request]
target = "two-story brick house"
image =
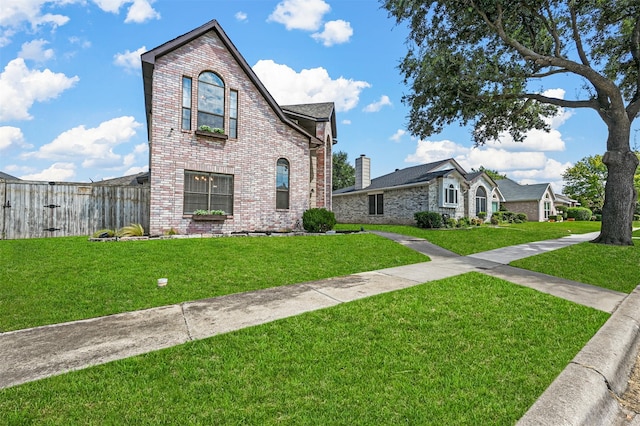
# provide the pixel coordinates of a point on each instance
(262, 164)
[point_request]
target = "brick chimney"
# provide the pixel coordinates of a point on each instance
(363, 172)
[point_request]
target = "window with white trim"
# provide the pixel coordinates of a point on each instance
(451, 194)
(481, 200)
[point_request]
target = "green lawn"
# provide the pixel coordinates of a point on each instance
(47, 281)
(484, 238)
(469, 350)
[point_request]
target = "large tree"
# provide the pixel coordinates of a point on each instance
(485, 63)
(344, 174)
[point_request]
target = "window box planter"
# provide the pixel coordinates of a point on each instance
(209, 217)
(212, 135)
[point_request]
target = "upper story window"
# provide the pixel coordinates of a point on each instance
(282, 184)
(186, 103)
(210, 100)
(233, 114)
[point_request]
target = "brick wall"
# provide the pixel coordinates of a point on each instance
(251, 158)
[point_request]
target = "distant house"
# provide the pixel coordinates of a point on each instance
(537, 201)
(443, 186)
(6, 176)
(219, 141)
(563, 200)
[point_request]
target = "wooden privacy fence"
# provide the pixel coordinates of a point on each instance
(51, 209)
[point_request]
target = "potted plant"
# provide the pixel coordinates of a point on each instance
(212, 132)
(211, 215)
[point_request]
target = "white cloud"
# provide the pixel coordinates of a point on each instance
(308, 86)
(20, 87)
(346, 122)
(139, 11)
(93, 146)
(35, 51)
(300, 14)
(11, 137)
(136, 170)
(241, 16)
(56, 172)
(398, 135)
(129, 60)
(335, 32)
(377, 106)
(15, 13)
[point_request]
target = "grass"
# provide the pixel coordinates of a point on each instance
(47, 281)
(612, 267)
(425, 355)
(484, 238)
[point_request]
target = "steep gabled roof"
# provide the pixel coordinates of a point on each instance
(149, 60)
(513, 191)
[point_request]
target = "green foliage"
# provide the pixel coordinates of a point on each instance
(210, 129)
(451, 222)
(201, 212)
(318, 220)
(585, 182)
(429, 220)
(579, 213)
(344, 174)
(508, 217)
(482, 215)
(132, 230)
(493, 174)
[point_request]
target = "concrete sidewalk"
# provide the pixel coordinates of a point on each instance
(41, 352)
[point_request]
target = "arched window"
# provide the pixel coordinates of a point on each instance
(481, 200)
(282, 184)
(210, 101)
(451, 195)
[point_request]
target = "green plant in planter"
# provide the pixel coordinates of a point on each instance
(202, 212)
(210, 129)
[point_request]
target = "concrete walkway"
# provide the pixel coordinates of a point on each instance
(40, 352)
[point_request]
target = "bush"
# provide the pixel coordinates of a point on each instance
(428, 219)
(521, 218)
(133, 230)
(482, 215)
(318, 220)
(452, 222)
(464, 222)
(579, 213)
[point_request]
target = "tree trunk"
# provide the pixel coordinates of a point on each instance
(619, 194)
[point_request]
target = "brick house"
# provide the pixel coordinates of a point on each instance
(261, 163)
(443, 186)
(537, 201)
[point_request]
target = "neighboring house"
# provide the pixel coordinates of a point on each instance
(537, 201)
(141, 178)
(263, 164)
(563, 200)
(7, 176)
(443, 186)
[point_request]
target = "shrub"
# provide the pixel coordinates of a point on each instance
(476, 221)
(133, 230)
(482, 215)
(104, 233)
(494, 219)
(521, 218)
(318, 220)
(452, 222)
(428, 219)
(579, 213)
(464, 222)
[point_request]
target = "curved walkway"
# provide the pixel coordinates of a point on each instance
(585, 393)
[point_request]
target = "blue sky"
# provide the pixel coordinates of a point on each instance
(71, 97)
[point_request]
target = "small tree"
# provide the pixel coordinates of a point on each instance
(344, 174)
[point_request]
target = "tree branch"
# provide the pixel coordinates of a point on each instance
(576, 36)
(561, 102)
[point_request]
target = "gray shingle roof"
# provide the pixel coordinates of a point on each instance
(320, 111)
(513, 191)
(411, 175)
(6, 176)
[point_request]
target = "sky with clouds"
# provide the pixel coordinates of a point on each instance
(72, 107)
